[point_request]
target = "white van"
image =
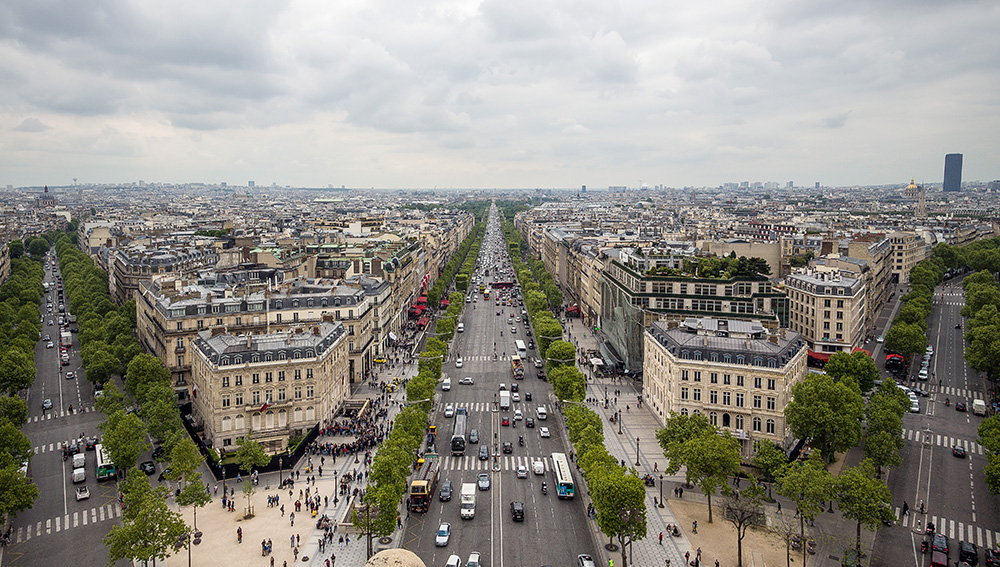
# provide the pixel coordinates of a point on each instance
(79, 460)
(79, 475)
(542, 415)
(978, 407)
(461, 328)
(446, 384)
(538, 467)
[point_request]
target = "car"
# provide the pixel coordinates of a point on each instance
(50, 322)
(473, 559)
(65, 361)
(922, 375)
(82, 493)
(914, 406)
(449, 410)
(529, 422)
(473, 436)
(513, 330)
(483, 480)
(91, 443)
(46, 338)
(380, 361)
(527, 396)
(940, 543)
(992, 558)
(958, 451)
(50, 344)
(503, 386)
(158, 452)
(443, 534)
(508, 447)
(880, 339)
(498, 312)
(517, 511)
(544, 432)
(164, 474)
(522, 471)
(538, 363)
(458, 362)
(484, 453)
(505, 420)
(467, 381)
(46, 404)
(453, 561)
(518, 415)
(585, 560)
(148, 467)
(960, 406)
(921, 393)
(445, 493)
(968, 553)
(70, 375)
(515, 387)
(515, 397)
(930, 350)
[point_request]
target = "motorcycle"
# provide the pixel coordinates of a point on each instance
(545, 489)
(520, 440)
(947, 402)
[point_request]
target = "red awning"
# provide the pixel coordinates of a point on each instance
(573, 309)
(824, 356)
(422, 299)
(858, 349)
(423, 321)
(419, 308)
(445, 302)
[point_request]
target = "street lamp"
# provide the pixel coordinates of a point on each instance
(619, 422)
(636, 451)
(661, 490)
(280, 465)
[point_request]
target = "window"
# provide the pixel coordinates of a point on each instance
(684, 393)
(739, 379)
(309, 373)
(180, 342)
(826, 303)
(298, 374)
(684, 374)
(727, 398)
(269, 395)
(713, 417)
(726, 379)
(239, 380)
(770, 426)
(771, 384)
(684, 411)
(239, 320)
(218, 322)
(281, 376)
(268, 376)
(739, 422)
(180, 325)
(180, 361)
(281, 394)
(840, 304)
(757, 381)
(771, 403)
(756, 424)
(225, 401)
(757, 399)
(739, 399)
(298, 392)
(225, 381)
(238, 398)
(309, 391)
(713, 378)
(255, 397)
(713, 397)
(697, 394)
(697, 375)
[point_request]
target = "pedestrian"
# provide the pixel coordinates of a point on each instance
(291, 518)
(921, 506)
(282, 510)
(687, 557)
(216, 488)
(906, 508)
(272, 561)
(716, 563)
(694, 526)
(656, 467)
(292, 538)
(341, 542)
(698, 556)
(779, 507)
(239, 535)
(661, 538)
(298, 540)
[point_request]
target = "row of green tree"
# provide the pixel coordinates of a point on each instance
(533, 270)
(436, 291)
(445, 326)
(107, 332)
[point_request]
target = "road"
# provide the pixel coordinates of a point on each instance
(554, 531)
(953, 489)
(58, 529)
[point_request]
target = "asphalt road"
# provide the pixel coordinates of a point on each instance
(554, 531)
(58, 529)
(953, 489)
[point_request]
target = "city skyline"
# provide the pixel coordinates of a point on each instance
(497, 94)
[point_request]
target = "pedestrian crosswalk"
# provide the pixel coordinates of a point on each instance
(955, 393)
(57, 414)
(68, 522)
(917, 436)
(954, 530)
(507, 462)
(527, 407)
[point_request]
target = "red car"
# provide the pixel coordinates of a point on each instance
(505, 420)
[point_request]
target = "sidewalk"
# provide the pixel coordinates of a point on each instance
(218, 541)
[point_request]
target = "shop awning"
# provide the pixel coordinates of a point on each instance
(858, 349)
(392, 336)
(422, 299)
(597, 362)
(824, 356)
(423, 321)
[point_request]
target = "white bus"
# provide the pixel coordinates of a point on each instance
(564, 478)
(520, 349)
(105, 468)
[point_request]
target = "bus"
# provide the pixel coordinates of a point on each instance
(520, 349)
(564, 478)
(105, 468)
(458, 438)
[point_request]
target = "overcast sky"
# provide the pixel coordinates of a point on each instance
(497, 93)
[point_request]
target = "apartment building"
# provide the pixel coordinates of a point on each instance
(829, 310)
(735, 372)
(128, 267)
(170, 312)
(4, 261)
(269, 386)
(907, 250)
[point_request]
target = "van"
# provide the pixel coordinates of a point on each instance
(79, 475)
(446, 384)
(542, 415)
(939, 559)
(79, 460)
(538, 467)
(461, 328)
(979, 407)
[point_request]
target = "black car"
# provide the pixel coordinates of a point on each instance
(529, 422)
(508, 447)
(958, 451)
(484, 453)
(517, 511)
(149, 468)
(940, 543)
(527, 396)
(158, 452)
(163, 475)
(473, 436)
(968, 552)
(960, 406)
(992, 558)
(91, 443)
(445, 494)
(72, 448)
(514, 387)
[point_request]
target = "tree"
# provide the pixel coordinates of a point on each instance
(377, 518)
(16, 248)
(560, 353)
(124, 438)
(989, 438)
(250, 455)
(14, 443)
(38, 247)
(185, 462)
(857, 365)
(142, 371)
(863, 498)
(17, 492)
(620, 501)
(744, 509)
(102, 366)
(827, 414)
(111, 400)
(978, 296)
(568, 383)
(17, 371)
(808, 485)
(769, 459)
(711, 459)
(677, 431)
(906, 338)
(14, 410)
(149, 527)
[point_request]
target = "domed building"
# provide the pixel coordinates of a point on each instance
(912, 191)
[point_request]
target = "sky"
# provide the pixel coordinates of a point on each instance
(497, 93)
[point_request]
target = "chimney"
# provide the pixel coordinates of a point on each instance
(773, 339)
(249, 340)
(218, 331)
(209, 297)
(315, 330)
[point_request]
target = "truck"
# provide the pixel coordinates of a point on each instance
(504, 400)
(423, 483)
(468, 510)
(517, 367)
(978, 407)
(66, 339)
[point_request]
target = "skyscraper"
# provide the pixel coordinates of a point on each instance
(953, 172)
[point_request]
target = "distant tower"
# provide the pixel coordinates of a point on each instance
(953, 172)
(912, 192)
(583, 189)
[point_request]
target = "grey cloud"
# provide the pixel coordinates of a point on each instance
(835, 121)
(31, 125)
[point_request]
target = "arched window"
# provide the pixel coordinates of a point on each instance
(713, 417)
(297, 354)
(269, 420)
(267, 357)
(225, 361)
(227, 423)
(310, 302)
(740, 359)
(756, 424)
(281, 355)
(684, 411)
(239, 422)
(310, 352)
(310, 413)
(282, 418)
(238, 359)
(772, 363)
(726, 420)
(697, 355)
(298, 414)
(323, 302)
(255, 358)
(770, 426)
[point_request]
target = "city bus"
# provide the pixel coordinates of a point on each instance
(458, 438)
(105, 468)
(563, 476)
(520, 349)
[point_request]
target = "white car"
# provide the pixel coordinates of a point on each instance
(522, 471)
(543, 432)
(930, 350)
(454, 561)
(458, 362)
(449, 411)
(467, 381)
(473, 559)
(514, 396)
(443, 534)
(518, 416)
(922, 375)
